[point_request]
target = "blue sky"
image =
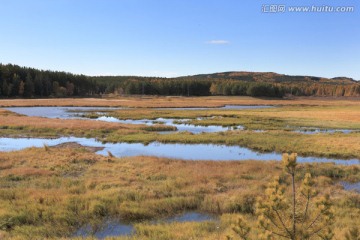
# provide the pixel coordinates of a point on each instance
(179, 37)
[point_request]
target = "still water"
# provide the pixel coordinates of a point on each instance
(168, 150)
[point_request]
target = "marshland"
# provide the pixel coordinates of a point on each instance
(179, 120)
(96, 168)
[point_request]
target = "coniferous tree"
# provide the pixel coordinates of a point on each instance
(303, 217)
(38, 85)
(29, 86)
(6, 88)
(21, 88)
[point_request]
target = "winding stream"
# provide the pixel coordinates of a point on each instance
(169, 150)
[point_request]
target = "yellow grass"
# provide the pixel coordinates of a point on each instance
(69, 186)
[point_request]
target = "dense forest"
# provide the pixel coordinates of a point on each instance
(16, 81)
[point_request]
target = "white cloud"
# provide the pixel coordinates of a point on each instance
(218, 42)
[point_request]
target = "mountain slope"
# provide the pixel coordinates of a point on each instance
(272, 77)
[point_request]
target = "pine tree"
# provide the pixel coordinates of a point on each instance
(21, 88)
(241, 229)
(301, 217)
(29, 86)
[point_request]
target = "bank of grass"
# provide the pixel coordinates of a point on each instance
(158, 128)
(51, 192)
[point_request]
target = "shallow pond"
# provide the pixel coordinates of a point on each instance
(107, 229)
(168, 150)
(73, 113)
(116, 228)
(56, 112)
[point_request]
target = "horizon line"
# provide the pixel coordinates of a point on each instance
(180, 76)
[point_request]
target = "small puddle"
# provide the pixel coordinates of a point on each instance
(190, 217)
(351, 186)
(108, 229)
(116, 228)
(168, 150)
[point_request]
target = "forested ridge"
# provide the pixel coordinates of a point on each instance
(16, 81)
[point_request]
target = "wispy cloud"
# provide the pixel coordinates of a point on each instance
(218, 42)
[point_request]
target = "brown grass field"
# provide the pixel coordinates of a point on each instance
(215, 101)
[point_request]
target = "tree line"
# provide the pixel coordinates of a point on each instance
(16, 81)
(191, 86)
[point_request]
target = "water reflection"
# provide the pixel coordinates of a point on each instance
(57, 112)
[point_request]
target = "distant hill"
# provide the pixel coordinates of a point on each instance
(271, 77)
(17, 81)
